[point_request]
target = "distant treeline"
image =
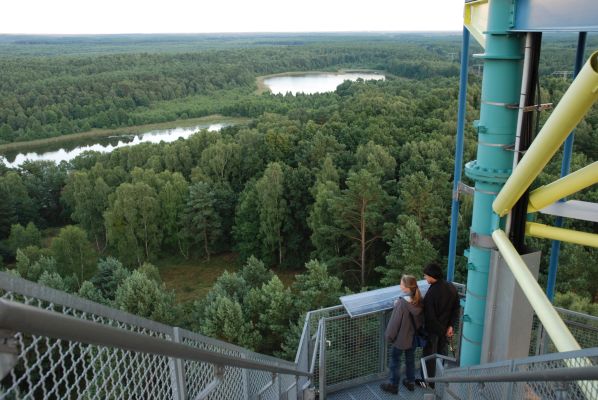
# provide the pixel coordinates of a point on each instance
(43, 97)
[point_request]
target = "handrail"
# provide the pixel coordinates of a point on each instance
(20, 286)
(569, 373)
(31, 320)
(559, 374)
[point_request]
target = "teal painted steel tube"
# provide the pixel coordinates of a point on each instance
(501, 88)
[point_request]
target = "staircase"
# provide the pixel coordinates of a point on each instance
(58, 346)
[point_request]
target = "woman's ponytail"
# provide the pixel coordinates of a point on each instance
(410, 283)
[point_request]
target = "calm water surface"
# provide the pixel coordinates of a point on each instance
(315, 83)
(106, 145)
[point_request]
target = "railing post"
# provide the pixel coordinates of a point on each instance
(508, 393)
(540, 339)
(245, 380)
(382, 341)
(279, 386)
(177, 371)
(322, 363)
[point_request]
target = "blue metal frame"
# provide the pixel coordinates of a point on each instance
(556, 15)
(450, 275)
(565, 168)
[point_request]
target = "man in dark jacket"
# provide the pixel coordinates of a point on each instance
(441, 314)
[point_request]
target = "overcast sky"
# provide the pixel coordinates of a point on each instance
(195, 16)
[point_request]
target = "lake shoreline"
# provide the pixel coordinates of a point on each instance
(122, 131)
(262, 87)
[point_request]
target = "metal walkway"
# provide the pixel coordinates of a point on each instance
(372, 391)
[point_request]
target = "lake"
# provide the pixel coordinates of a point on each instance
(106, 145)
(315, 82)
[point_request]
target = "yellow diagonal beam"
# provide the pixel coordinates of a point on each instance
(564, 235)
(552, 322)
(572, 183)
(475, 18)
(578, 99)
(559, 333)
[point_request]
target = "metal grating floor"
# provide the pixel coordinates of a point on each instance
(372, 391)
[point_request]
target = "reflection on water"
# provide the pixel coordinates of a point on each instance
(106, 145)
(315, 83)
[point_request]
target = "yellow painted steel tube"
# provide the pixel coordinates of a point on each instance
(564, 235)
(552, 322)
(580, 96)
(572, 183)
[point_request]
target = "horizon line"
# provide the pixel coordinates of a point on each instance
(228, 33)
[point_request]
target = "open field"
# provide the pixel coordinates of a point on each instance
(192, 279)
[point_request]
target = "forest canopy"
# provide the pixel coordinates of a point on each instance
(350, 189)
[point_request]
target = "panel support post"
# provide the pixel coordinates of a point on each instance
(565, 168)
(450, 275)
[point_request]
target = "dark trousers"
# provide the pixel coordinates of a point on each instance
(436, 344)
(395, 365)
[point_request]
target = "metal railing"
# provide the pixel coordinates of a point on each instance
(55, 345)
(338, 352)
(584, 328)
(346, 352)
(568, 375)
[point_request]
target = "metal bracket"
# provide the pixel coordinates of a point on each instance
(210, 387)
(462, 188)
(537, 107)
(483, 241)
(259, 394)
(515, 106)
(510, 106)
(8, 352)
(512, 148)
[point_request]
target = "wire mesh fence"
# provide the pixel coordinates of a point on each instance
(40, 367)
(48, 368)
(583, 327)
(556, 388)
(351, 350)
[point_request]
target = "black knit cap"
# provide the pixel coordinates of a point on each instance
(433, 270)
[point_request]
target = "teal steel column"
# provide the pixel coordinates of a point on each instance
(501, 87)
